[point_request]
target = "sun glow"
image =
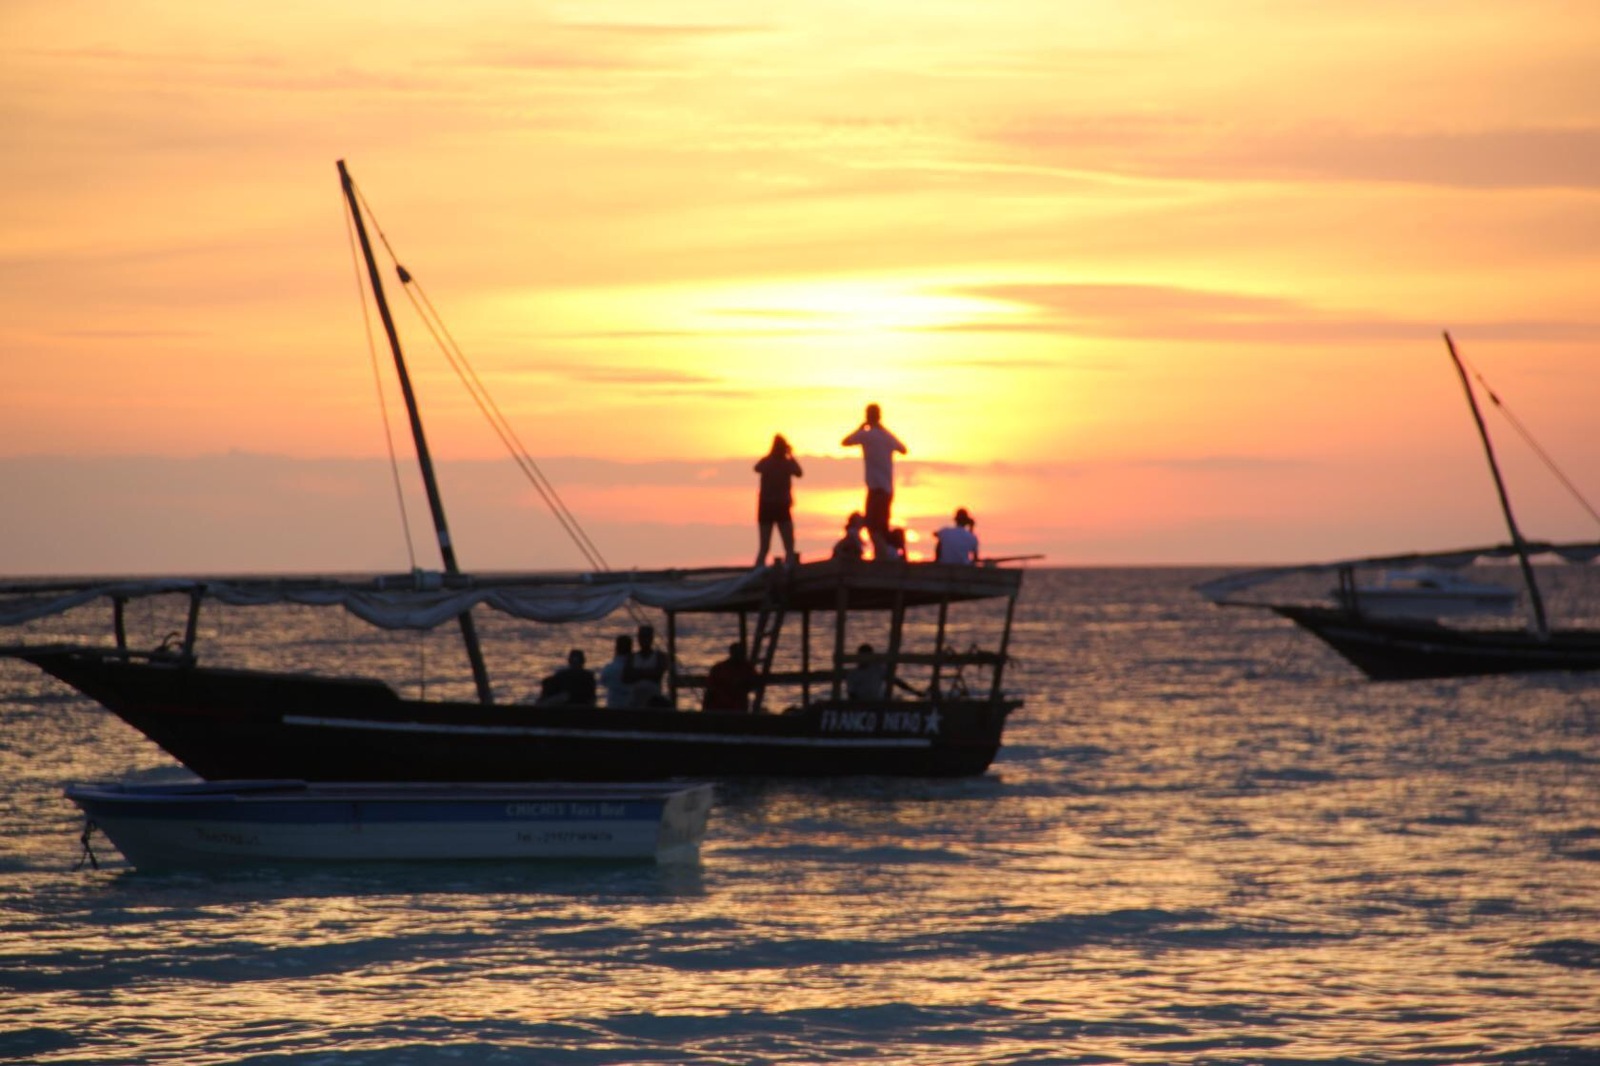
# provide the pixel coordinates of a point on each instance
(798, 357)
(1137, 285)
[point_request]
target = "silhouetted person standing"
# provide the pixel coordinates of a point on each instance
(878, 446)
(778, 469)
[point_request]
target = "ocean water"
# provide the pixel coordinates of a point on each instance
(1207, 839)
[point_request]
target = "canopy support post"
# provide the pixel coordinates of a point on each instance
(119, 622)
(938, 650)
(192, 630)
(841, 614)
(672, 657)
(805, 658)
(1005, 644)
(897, 621)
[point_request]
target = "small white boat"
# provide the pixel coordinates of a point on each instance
(1429, 592)
(248, 823)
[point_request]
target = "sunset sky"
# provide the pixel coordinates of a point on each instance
(1138, 282)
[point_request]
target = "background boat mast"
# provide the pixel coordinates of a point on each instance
(469, 632)
(1534, 599)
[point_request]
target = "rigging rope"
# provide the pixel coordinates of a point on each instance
(1528, 438)
(377, 379)
(487, 406)
(498, 422)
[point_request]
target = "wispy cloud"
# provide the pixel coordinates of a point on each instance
(1165, 312)
(627, 375)
(607, 48)
(1502, 157)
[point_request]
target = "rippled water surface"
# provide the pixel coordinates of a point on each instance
(1205, 840)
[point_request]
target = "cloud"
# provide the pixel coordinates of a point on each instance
(606, 48)
(1511, 157)
(1165, 312)
(627, 375)
(1514, 158)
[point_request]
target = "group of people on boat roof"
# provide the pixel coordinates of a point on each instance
(633, 677)
(957, 543)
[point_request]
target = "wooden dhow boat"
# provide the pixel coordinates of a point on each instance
(1389, 646)
(224, 722)
(805, 718)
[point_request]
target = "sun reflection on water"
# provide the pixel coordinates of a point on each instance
(1172, 859)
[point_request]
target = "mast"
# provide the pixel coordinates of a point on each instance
(1534, 599)
(469, 632)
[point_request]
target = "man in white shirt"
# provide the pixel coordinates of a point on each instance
(878, 446)
(958, 543)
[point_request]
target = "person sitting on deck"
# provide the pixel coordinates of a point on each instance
(868, 680)
(958, 543)
(573, 684)
(778, 469)
(896, 549)
(645, 670)
(618, 692)
(730, 681)
(850, 546)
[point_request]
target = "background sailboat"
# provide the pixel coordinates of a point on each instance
(1386, 646)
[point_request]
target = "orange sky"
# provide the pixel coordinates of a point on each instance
(1137, 283)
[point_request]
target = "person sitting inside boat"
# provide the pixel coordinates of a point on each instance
(573, 684)
(894, 548)
(868, 680)
(618, 692)
(730, 682)
(850, 546)
(645, 670)
(958, 543)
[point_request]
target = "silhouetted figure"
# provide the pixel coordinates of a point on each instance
(849, 546)
(878, 446)
(868, 680)
(864, 682)
(778, 469)
(958, 543)
(645, 669)
(572, 684)
(730, 681)
(618, 692)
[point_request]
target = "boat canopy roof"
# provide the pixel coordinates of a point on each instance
(426, 599)
(1223, 590)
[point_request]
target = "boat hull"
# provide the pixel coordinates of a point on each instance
(233, 824)
(226, 724)
(1398, 650)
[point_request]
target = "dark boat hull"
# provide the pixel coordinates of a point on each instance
(240, 724)
(1396, 650)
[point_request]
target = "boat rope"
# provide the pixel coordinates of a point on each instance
(1528, 438)
(487, 406)
(86, 838)
(377, 379)
(497, 421)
